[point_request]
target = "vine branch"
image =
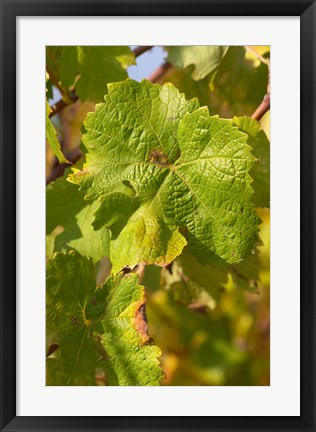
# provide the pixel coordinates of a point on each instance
(62, 103)
(265, 104)
(58, 169)
(141, 50)
(158, 73)
(262, 108)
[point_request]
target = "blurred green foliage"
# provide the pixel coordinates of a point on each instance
(229, 345)
(235, 88)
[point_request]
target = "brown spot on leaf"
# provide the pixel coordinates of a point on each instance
(141, 322)
(158, 157)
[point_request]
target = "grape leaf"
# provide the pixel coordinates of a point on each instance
(182, 79)
(96, 330)
(66, 207)
(53, 54)
(246, 274)
(194, 285)
(90, 68)
(152, 277)
(238, 86)
(226, 350)
(159, 163)
(200, 286)
(204, 58)
(261, 150)
(51, 137)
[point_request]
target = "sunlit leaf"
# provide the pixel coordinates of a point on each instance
(159, 163)
(193, 284)
(51, 137)
(66, 208)
(96, 333)
(261, 150)
(90, 68)
(204, 58)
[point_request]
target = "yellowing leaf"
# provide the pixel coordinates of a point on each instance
(96, 333)
(167, 173)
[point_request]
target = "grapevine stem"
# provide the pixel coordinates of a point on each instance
(61, 104)
(262, 108)
(58, 169)
(158, 73)
(141, 50)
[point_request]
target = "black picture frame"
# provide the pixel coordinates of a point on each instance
(9, 11)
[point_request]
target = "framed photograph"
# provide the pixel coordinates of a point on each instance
(145, 283)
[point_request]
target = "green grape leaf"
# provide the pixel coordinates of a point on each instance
(194, 285)
(246, 274)
(200, 286)
(96, 331)
(238, 86)
(205, 58)
(66, 207)
(90, 68)
(261, 150)
(152, 278)
(160, 165)
(182, 79)
(53, 54)
(51, 137)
